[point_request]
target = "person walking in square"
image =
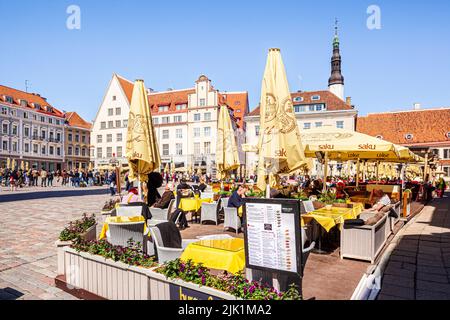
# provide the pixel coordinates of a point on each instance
(43, 178)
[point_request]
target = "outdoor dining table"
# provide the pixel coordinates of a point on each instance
(224, 254)
(336, 216)
(121, 219)
(192, 204)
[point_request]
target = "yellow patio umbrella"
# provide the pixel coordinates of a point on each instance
(199, 172)
(27, 165)
(13, 164)
(90, 166)
(172, 167)
(167, 168)
(142, 149)
(8, 163)
(227, 157)
(280, 147)
(22, 165)
(80, 168)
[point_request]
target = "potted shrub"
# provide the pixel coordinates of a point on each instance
(328, 198)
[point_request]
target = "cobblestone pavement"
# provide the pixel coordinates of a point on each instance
(28, 230)
(419, 267)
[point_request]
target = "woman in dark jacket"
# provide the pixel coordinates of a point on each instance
(155, 181)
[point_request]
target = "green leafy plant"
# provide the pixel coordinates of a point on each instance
(132, 254)
(76, 228)
(234, 284)
(327, 197)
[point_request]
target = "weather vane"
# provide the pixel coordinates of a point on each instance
(336, 25)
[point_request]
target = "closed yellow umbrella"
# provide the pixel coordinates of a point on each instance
(27, 166)
(90, 166)
(227, 157)
(172, 167)
(13, 164)
(280, 147)
(22, 165)
(8, 163)
(142, 149)
(199, 172)
(167, 168)
(80, 168)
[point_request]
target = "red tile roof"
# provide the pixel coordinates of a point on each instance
(31, 99)
(333, 103)
(74, 120)
(127, 87)
(169, 98)
(428, 126)
(236, 101)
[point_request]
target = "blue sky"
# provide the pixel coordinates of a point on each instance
(170, 43)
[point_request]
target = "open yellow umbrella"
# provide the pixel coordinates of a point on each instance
(142, 149)
(227, 157)
(280, 147)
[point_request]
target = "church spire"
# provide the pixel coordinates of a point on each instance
(336, 81)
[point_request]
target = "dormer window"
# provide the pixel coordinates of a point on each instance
(409, 136)
(448, 135)
(379, 137)
(9, 99)
(49, 109)
(24, 103)
(315, 98)
(37, 106)
(298, 99)
(163, 108)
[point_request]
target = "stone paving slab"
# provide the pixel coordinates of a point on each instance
(419, 267)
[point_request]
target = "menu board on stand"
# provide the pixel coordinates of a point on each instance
(273, 237)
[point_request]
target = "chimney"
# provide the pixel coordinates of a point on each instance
(417, 106)
(348, 100)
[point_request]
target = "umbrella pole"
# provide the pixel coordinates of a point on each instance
(378, 171)
(357, 173)
(139, 188)
(325, 173)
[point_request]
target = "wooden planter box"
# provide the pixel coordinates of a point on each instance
(89, 235)
(365, 242)
(117, 281)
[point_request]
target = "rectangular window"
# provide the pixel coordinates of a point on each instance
(155, 120)
(125, 123)
(99, 153)
(207, 131)
(109, 152)
(340, 124)
(202, 102)
(26, 131)
(58, 122)
(177, 119)
(311, 108)
(77, 151)
(165, 120)
(35, 148)
(257, 131)
(119, 152)
(318, 124)
(181, 106)
(69, 137)
(27, 148)
(118, 111)
(196, 132)
(58, 151)
(25, 115)
(5, 128)
(83, 152)
(307, 126)
(179, 133)
(118, 123)
(99, 138)
(208, 116)
(109, 138)
(5, 145)
(179, 149)
(207, 146)
(83, 139)
(50, 120)
(43, 150)
(70, 151)
(77, 138)
(110, 112)
(110, 124)
(58, 137)
(51, 150)
(43, 134)
(163, 108)
(119, 137)
(102, 125)
(165, 150)
(14, 146)
(299, 108)
(5, 111)
(165, 134)
(197, 117)
(14, 129)
(446, 154)
(197, 148)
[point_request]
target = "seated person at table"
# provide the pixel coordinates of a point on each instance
(202, 186)
(236, 199)
(167, 196)
(183, 186)
(382, 200)
(132, 196)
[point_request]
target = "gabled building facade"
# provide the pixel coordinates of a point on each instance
(78, 142)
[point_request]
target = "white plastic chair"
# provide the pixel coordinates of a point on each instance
(121, 233)
(209, 212)
(129, 211)
(167, 254)
(206, 195)
(231, 219)
(160, 215)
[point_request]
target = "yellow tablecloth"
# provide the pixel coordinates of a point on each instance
(330, 218)
(192, 204)
(121, 219)
(227, 254)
